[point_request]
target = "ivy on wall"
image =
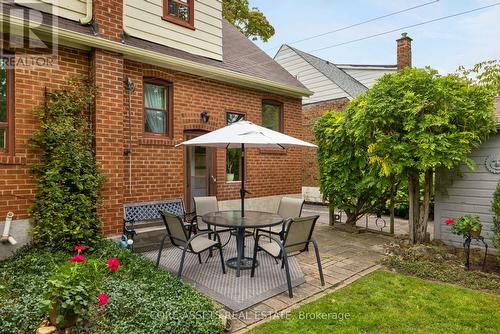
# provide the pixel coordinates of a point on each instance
(64, 212)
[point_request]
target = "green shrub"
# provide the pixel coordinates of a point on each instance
(496, 221)
(64, 212)
(142, 298)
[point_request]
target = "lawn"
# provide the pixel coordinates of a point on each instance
(142, 298)
(384, 302)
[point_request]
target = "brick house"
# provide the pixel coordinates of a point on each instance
(191, 72)
(333, 86)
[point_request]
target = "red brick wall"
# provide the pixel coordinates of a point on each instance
(107, 73)
(310, 113)
(157, 165)
(17, 188)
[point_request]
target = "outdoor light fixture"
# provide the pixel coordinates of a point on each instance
(204, 116)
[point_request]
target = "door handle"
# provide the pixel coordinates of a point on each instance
(213, 178)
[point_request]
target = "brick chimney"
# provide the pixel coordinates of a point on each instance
(404, 51)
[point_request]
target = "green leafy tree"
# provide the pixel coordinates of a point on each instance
(347, 180)
(250, 21)
(486, 73)
(418, 121)
(64, 212)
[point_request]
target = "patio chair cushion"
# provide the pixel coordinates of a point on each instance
(199, 244)
(271, 247)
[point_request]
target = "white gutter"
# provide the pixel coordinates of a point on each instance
(88, 17)
(156, 58)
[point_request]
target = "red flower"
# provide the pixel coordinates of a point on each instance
(113, 263)
(77, 258)
(79, 248)
(449, 221)
(103, 299)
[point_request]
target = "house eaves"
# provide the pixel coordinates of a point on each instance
(75, 35)
(347, 83)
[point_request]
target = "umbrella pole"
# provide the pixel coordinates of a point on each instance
(242, 190)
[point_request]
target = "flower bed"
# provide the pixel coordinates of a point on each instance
(139, 297)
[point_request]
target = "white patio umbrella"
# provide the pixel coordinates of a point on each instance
(245, 134)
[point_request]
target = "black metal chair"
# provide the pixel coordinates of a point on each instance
(182, 239)
(296, 238)
(289, 207)
(203, 205)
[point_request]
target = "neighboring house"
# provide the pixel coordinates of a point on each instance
(465, 192)
(192, 72)
(333, 86)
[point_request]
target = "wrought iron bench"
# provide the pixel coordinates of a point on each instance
(144, 213)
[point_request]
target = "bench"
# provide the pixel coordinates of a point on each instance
(147, 215)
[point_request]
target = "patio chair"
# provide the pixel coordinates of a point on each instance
(297, 236)
(195, 244)
(289, 207)
(203, 205)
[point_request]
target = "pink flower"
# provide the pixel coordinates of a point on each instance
(103, 299)
(77, 258)
(113, 263)
(449, 221)
(79, 248)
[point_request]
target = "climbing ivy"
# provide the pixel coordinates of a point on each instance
(64, 212)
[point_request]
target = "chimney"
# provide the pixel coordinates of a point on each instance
(404, 51)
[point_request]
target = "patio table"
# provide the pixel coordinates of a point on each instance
(233, 219)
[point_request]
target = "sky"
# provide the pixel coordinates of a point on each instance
(443, 45)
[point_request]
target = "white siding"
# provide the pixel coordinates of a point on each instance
(366, 76)
(69, 9)
(324, 89)
(143, 19)
(470, 193)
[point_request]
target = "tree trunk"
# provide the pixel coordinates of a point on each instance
(351, 219)
(414, 204)
(394, 189)
(419, 211)
(425, 207)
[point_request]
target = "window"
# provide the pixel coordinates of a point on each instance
(233, 155)
(272, 115)
(157, 107)
(6, 105)
(179, 12)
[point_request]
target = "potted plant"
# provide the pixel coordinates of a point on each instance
(230, 165)
(74, 289)
(466, 225)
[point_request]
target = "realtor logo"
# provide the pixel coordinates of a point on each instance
(28, 33)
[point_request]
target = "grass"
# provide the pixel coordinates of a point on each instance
(385, 302)
(143, 299)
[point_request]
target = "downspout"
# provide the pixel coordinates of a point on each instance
(6, 237)
(130, 87)
(88, 17)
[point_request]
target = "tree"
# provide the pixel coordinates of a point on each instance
(347, 180)
(64, 212)
(418, 121)
(486, 73)
(250, 21)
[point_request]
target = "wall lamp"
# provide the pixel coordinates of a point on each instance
(204, 116)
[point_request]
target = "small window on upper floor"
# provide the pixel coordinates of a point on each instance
(180, 12)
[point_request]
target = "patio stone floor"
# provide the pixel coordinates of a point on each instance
(345, 258)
